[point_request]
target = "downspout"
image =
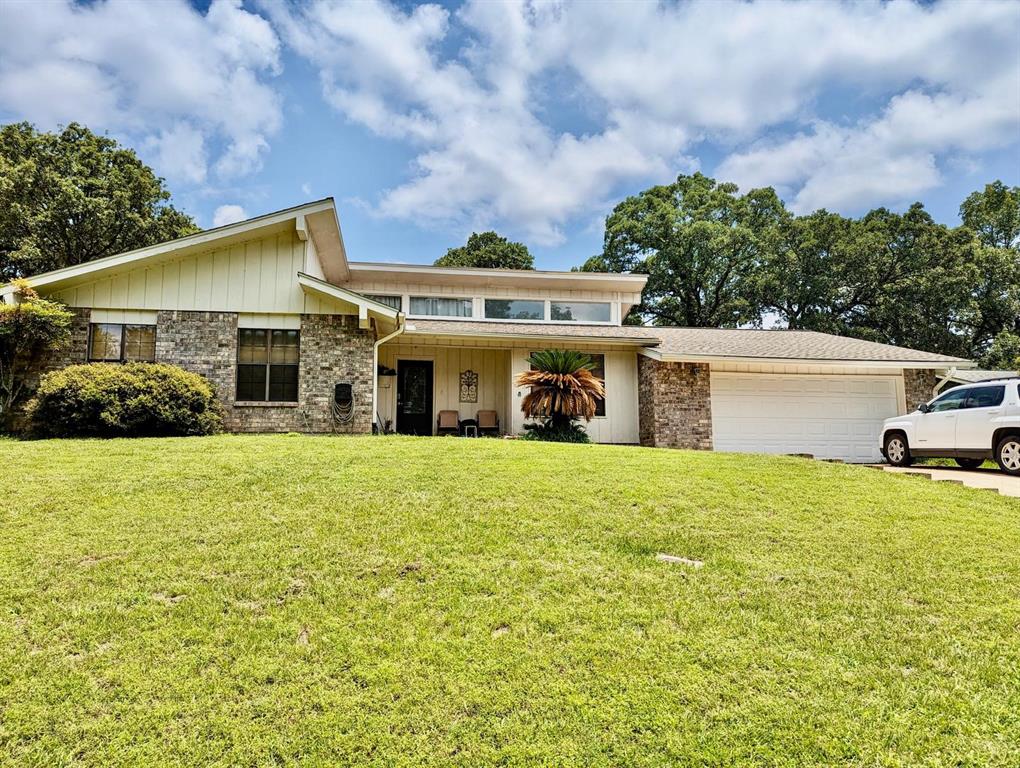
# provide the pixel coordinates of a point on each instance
(375, 367)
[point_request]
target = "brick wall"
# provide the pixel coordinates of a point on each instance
(205, 343)
(917, 385)
(333, 348)
(674, 404)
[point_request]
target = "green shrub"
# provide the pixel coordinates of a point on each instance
(555, 432)
(133, 400)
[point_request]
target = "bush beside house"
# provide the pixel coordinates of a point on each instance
(30, 327)
(563, 390)
(133, 400)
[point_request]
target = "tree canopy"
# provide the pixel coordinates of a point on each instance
(72, 196)
(699, 243)
(716, 258)
(488, 250)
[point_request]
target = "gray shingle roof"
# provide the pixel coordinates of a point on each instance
(701, 342)
(627, 333)
(973, 375)
(787, 345)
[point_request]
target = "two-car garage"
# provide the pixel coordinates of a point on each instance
(827, 416)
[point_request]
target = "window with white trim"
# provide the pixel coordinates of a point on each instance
(580, 311)
(439, 306)
(395, 302)
(514, 309)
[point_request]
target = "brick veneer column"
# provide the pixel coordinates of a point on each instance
(918, 384)
(674, 404)
(335, 349)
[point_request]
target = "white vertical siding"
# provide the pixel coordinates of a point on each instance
(255, 276)
(491, 365)
(620, 424)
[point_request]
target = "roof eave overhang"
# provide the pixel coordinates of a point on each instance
(564, 339)
(367, 308)
(656, 354)
(319, 215)
(608, 281)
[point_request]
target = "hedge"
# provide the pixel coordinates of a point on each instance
(132, 400)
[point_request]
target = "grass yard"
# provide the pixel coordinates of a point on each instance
(403, 601)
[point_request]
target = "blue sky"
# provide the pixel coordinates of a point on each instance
(426, 122)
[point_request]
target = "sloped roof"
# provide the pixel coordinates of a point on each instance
(316, 219)
(639, 336)
(973, 375)
(704, 343)
(787, 345)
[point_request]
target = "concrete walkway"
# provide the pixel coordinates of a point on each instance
(972, 478)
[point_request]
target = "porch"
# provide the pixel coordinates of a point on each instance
(444, 366)
(417, 381)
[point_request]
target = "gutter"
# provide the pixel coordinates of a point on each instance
(401, 325)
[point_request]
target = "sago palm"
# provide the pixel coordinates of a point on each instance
(563, 387)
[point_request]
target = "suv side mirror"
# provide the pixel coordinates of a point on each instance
(923, 408)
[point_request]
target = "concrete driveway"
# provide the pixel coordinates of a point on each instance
(972, 478)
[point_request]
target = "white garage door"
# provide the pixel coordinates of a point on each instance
(833, 417)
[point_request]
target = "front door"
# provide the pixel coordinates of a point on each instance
(414, 397)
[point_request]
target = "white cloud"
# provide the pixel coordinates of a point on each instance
(228, 214)
(186, 88)
(466, 89)
(888, 159)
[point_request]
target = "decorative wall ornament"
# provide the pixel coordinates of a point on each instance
(468, 387)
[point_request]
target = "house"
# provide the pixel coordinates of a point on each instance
(274, 314)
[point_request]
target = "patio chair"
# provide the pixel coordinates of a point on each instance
(488, 423)
(448, 423)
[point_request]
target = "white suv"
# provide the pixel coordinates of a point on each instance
(970, 424)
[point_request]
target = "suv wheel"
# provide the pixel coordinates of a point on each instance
(970, 463)
(897, 452)
(1007, 454)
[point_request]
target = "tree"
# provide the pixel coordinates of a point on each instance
(488, 251)
(1003, 354)
(29, 327)
(993, 215)
(71, 197)
(800, 279)
(700, 243)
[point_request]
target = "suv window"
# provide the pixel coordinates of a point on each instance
(950, 401)
(985, 397)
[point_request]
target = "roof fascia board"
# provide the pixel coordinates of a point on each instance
(336, 292)
(199, 240)
(413, 331)
(693, 358)
(527, 274)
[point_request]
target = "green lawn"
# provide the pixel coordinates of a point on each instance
(401, 601)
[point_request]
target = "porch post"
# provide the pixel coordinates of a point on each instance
(375, 368)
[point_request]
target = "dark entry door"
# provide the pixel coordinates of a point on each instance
(414, 397)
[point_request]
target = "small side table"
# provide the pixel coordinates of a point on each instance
(469, 428)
